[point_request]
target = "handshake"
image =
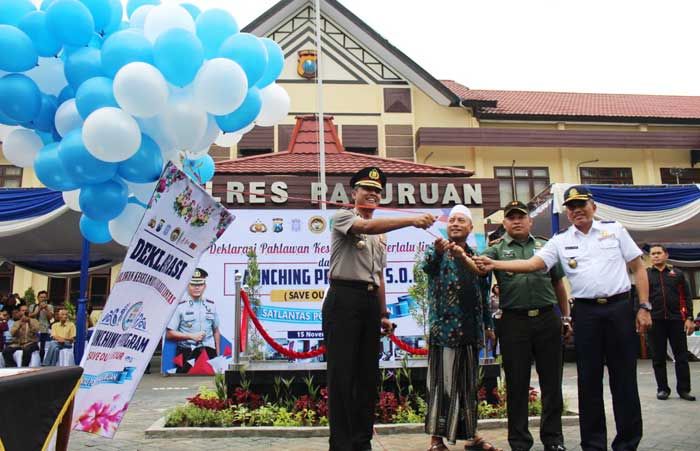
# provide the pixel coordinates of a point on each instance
(484, 263)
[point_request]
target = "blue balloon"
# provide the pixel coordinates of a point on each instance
(244, 115)
(83, 167)
(5, 119)
(115, 17)
(46, 137)
(12, 11)
(45, 119)
(45, 4)
(70, 22)
(93, 94)
(145, 165)
(124, 47)
(249, 52)
(275, 63)
(34, 25)
(100, 11)
(81, 65)
(133, 5)
(104, 201)
(66, 93)
(17, 54)
(96, 232)
(192, 9)
(178, 54)
(50, 171)
(214, 26)
(200, 170)
(20, 98)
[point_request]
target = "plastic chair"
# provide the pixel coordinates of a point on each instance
(34, 361)
(65, 357)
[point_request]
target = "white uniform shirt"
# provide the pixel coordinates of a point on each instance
(599, 258)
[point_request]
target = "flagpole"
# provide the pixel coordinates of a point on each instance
(319, 99)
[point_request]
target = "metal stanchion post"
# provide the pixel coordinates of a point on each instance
(237, 321)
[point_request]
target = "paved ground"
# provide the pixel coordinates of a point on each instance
(670, 425)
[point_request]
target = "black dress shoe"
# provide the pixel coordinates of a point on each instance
(687, 396)
(662, 395)
(555, 448)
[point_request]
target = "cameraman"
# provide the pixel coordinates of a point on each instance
(24, 333)
(43, 312)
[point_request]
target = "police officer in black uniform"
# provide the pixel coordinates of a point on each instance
(354, 310)
(672, 319)
(195, 323)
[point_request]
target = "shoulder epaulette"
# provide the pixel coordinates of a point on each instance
(182, 302)
(496, 241)
(210, 301)
(608, 222)
(539, 237)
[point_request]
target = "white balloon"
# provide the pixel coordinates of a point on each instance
(183, 122)
(111, 135)
(67, 118)
(123, 227)
(71, 199)
(6, 130)
(48, 75)
(228, 139)
(166, 17)
(220, 86)
(275, 105)
(211, 133)
(138, 17)
(142, 191)
(21, 147)
(141, 90)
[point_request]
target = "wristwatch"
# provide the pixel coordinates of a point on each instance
(645, 305)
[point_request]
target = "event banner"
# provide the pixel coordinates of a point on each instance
(293, 253)
(179, 224)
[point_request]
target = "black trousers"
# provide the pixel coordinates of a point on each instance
(188, 354)
(26, 355)
(605, 334)
(523, 338)
(351, 330)
(670, 330)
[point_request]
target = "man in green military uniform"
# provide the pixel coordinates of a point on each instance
(195, 323)
(530, 328)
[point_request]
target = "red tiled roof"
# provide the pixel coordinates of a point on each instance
(303, 157)
(534, 103)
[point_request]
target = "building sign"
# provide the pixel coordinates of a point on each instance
(306, 192)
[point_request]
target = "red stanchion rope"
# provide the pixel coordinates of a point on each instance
(406, 347)
(271, 341)
(317, 352)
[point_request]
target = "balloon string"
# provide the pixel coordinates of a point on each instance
(337, 204)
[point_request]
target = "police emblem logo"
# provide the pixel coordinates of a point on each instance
(307, 66)
(317, 224)
(277, 225)
(573, 192)
(573, 263)
(258, 227)
(374, 174)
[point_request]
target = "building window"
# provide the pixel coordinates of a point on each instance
(361, 139)
(673, 176)
(518, 183)
(606, 176)
(63, 289)
(258, 141)
(7, 273)
(10, 177)
(397, 100)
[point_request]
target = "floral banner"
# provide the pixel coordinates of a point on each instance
(180, 223)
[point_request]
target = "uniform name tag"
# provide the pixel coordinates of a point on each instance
(568, 248)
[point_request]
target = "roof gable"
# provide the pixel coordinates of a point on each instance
(354, 51)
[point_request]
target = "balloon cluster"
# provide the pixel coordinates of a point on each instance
(97, 105)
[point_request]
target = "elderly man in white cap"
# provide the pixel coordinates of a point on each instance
(458, 312)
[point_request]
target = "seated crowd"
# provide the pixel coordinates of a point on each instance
(32, 329)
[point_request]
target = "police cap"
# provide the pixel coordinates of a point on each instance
(371, 177)
(578, 192)
(199, 277)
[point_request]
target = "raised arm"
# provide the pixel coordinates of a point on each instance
(377, 226)
(520, 266)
